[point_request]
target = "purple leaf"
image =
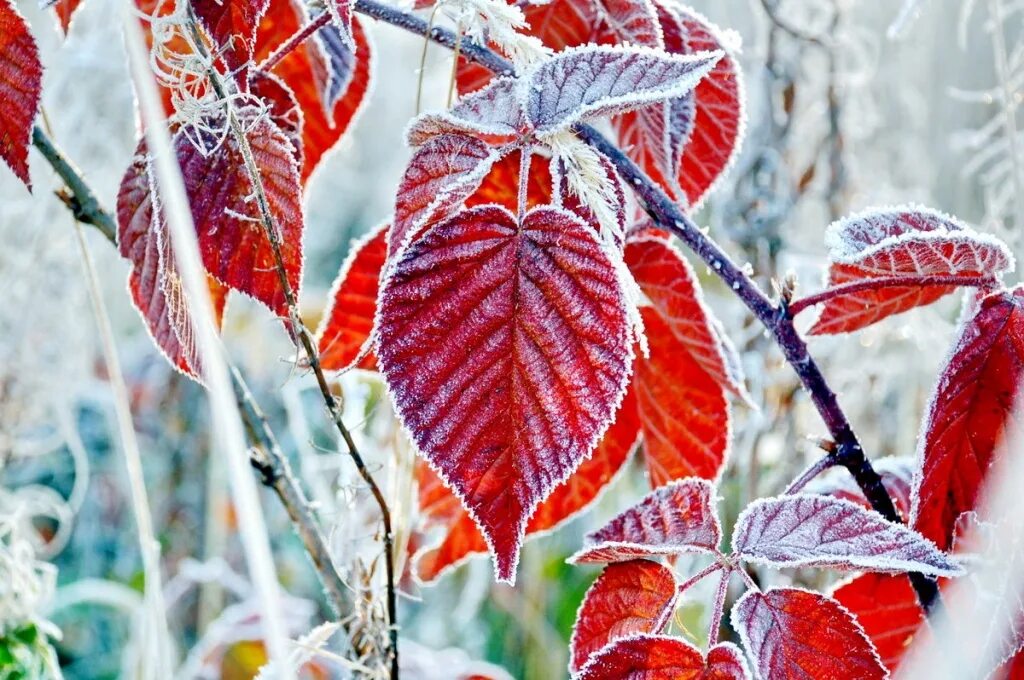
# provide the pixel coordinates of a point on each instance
(492, 112)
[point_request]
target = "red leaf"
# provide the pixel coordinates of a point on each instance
(659, 657)
(971, 408)
(669, 283)
(797, 634)
(506, 348)
(887, 608)
(65, 11)
(439, 177)
(820, 531)
(282, 107)
(501, 185)
(232, 241)
(676, 519)
(568, 500)
(588, 82)
(632, 22)
(897, 475)
(344, 333)
(232, 26)
(21, 85)
(153, 280)
(626, 599)
(901, 243)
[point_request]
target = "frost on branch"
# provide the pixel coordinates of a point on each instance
(232, 26)
(897, 473)
(659, 657)
(676, 519)
(343, 338)
(886, 607)
(971, 409)
(909, 243)
(589, 82)
(627, 598)
(21, 84)
(790, 633)
(440, 175)
(507, 351)
(820, 531)
(574, 496)
(232, 241)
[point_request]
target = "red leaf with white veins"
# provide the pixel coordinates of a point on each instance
(232, 26)
(344, 334)
(626, 599)
(462, 538)
(796, 634)
(492, 113)
(588, 82)
(659, 657)
(234, 247)
(887, 607)
(821, 531)
(676, 519)
(971, 409)
(506, 347)
(439, 177)
(21, 85)
(909, 244)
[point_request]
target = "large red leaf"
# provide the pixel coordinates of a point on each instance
(232, 26)
(153, 281)
(970, 410)
(797, 634)
(821, 531)
(462, 538)
(676, 519)
(626, 599)
(21, 85)
(886, 607)
(232, 241)
(659, 657)
(506, 346)
(905, 243)
(344, 333)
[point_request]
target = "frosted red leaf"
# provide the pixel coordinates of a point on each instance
(21, 84)
(342, 16)
(820, 531)
(897, 473)
(796, 634)
(232, 242)
(683, 411)
(908, 243)
(659, 657)
(439, 177)
(587, 82)
(626, 599)
(344, 334)
(493, 113)
(886, 607)
(632, 22)
(971, 408)
(508, 379)
(231, 25)
(676, 519)
(501, 185)
(282, 107)
(656, 136)
(153, 280)
(670, 284)
(310, 72)
(462, 539)
(65, 10)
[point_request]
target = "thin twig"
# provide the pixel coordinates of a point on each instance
(294, 41)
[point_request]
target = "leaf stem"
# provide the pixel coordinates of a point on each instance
(883, 282)
(715, 625)
(699, 576)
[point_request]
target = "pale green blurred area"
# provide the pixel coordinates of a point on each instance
(905, 138)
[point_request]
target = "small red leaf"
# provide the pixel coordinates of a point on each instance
(65, 11)
(588, 82)
(820, 531)
(901, 243)
(676, 519)
(232, 26)
(632, 22)
(897, 475)
(344, 334)
(232, 240)
(506, 348)
(797, 634)
(971, 408)
(493, 113)
(659, 657)
(626, 599)
(439, 177)
(21, 85)
(887, 608)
